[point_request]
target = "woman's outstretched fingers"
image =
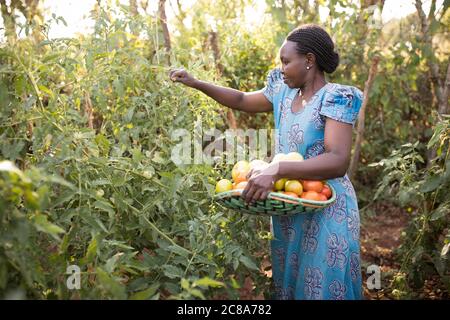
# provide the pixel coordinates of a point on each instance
(182, 76)
(174, 74)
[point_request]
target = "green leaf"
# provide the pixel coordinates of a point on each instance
(440, 128)
(103, 144)
(440, 212)
(403, 197)
(431, 183)
(417, 254)
(63, 21)
(116, 289)
(447, 170)
(12, 150)
(100, 182)
(185, 284)
(93, 221)
(208, 282)
(31, 200)
(119, 244)
(61, 181)
(64, 243)
(147, 293)
(235, 264)
(178, 250)
(197, 293)
(42, 224)
(91, 252)
(172, 272)
(248, 263)
(100, 224)
(110, 264)
(44, 43)
(118, 87)
(46, 90)
(105, 206)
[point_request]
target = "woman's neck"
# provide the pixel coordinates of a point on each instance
(312, 86)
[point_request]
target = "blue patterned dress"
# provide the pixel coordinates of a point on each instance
(315, 255)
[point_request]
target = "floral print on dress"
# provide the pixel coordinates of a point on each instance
(316, 149)
(279, 148)
(341, 103)
(284, 293)
(274, 84)
(337, 249)
(280, 254)
(287, 229)
(293, 262)
(337, 210)
(353, 224)
(345, 181)
(295, 137)
(355, 268)
(317, 119)
(337, 290)
(310, 231)
(284, 109)
(313, 283)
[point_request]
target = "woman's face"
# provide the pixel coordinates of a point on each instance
(293, 65)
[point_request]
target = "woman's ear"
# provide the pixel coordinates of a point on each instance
(310, 59)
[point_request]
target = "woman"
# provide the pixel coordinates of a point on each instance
(314, 255)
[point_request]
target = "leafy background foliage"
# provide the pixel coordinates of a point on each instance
(87, 179)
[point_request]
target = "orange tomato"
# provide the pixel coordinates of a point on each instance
(327, 191)
(240, 171)
(292, 194)
(239, 177)
(323, 197)
(240, 185)
(312, 185)
(311, 195)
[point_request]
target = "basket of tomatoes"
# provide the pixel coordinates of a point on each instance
(289, 196)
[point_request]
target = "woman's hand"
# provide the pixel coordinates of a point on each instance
(181, 75)
(260, 183)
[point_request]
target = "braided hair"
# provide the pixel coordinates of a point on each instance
(311, 38)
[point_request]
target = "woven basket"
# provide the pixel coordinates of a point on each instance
(276, 204)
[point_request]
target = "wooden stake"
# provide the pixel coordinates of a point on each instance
(362, 116)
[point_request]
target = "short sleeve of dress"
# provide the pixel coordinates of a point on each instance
(342, 103)
(273, 84)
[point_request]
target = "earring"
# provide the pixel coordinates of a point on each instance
(308, 67)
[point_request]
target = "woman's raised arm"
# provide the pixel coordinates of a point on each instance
(251, 102)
